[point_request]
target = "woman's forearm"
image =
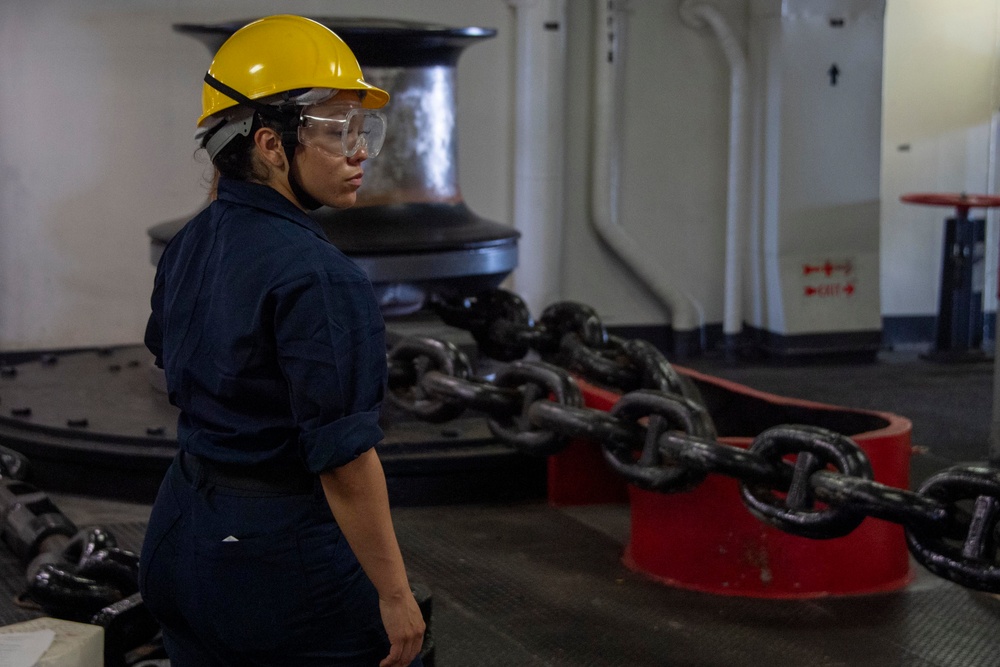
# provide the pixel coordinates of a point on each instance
(357, 496)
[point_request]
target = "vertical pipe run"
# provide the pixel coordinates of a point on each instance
(539, 146)
(697, 14)
(992, 247)
(609, 35)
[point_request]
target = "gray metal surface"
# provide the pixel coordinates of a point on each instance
(110, 389)
(418, 160)
(496, 260)
(531, 585)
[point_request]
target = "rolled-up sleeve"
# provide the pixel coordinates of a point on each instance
(330, 341)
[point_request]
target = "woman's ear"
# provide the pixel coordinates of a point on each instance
(269, 148)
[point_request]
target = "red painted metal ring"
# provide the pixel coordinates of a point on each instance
(952, 199)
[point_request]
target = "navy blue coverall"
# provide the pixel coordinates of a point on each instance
(274, 350)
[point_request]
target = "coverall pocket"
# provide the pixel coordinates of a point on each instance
(251, 590)
(345, 602)
(341, 592)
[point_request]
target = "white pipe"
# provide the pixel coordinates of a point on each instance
(697, 15)
(685, 312)
(539, 146)
(992, 237)
(992, 287)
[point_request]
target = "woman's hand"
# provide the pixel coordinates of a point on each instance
(405, 626)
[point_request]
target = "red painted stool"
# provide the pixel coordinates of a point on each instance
(959, 327)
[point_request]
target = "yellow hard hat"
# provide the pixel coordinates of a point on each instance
(277, 54)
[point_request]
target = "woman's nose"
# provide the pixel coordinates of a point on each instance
(361, 154)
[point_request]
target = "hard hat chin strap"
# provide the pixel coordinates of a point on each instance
(265, 110)
(308, 202)
(289, 136)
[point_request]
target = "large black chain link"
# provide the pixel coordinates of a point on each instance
(662, 413)
(569, 335)
(414, 361)
(804, 480)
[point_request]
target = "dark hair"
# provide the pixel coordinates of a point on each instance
(236, 160)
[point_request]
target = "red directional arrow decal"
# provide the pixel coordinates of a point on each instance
(831, 289)
(828, 268)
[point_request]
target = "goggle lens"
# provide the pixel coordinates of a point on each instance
(344, 133)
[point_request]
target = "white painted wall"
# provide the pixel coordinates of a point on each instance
(673, 200)
(940, 97)
(98, 100)
(816, 180)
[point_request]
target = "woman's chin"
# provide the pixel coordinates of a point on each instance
(346, 200)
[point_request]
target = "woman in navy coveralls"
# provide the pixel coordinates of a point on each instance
(270, 542)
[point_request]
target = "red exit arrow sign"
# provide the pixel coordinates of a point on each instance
(827, 268)
(834, 289)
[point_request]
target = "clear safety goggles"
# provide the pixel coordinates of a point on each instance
(342, 130)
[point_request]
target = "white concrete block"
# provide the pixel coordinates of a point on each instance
(74, 645)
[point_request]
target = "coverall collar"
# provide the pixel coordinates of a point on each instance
(266, 199)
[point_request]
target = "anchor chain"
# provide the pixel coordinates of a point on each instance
(568, 334)
(803, 480)
(74, 574)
